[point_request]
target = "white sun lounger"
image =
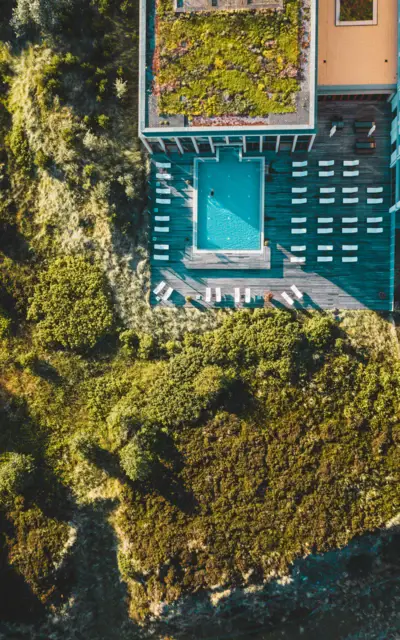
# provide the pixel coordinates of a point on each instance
(159, 257)
(161, 229)
(218, 294)
(374, 200)
(300, 247)
(299, 174)
(163, 176)
(301, 259)
(330, 230)
(299, 231)
(163, 165)
(297, 292)
(349, 220)
(325, 220)
(350, 247)
(350, 174)
(297, 220)
(327, 190)
(350, 190)
(159, 287)
(299, 200)
(350, 200)
(162, 218)
(300, 164)
(371, 230)
(161, 247)
(324, 259)
(351, 163)
(299, 189)
(168, 293)
(208, 294)
(375, 190)
(349, 259)
(325, 247)
(287, 299)
(349, 230)
(163, 191)
(326, 174)
(326, 163)
(237, 295)
(375, 219)
(327, 200)
(247, 295)
(163, 201)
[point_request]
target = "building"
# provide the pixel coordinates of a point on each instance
(289, 113)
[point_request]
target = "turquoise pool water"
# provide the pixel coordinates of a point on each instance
(229, 204)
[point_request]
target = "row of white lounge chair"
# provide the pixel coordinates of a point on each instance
(370, 201)
(160, 217)
(325, 174)
(163, 292)
(333, 190)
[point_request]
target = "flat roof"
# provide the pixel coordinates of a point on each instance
(357, 56)
(176, 91)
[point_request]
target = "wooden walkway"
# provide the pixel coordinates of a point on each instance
(366, 283)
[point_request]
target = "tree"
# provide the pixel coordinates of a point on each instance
(45, 14)
(71, 304)
(136, 458)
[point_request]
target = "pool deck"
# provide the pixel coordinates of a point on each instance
(367, 283)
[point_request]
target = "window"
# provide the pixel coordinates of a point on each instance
(356, 12)
(214, 3)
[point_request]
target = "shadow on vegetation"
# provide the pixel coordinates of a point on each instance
(165, 472)
(46, 371)
(100, 608)
(106, 461)
(18, 603)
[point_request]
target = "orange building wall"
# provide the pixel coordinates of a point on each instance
(356, 55)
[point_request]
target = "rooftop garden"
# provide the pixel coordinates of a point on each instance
(356, 10)
(228, 63)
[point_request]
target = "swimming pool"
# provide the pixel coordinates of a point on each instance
(229, 203)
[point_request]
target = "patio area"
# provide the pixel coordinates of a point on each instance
(328, 230)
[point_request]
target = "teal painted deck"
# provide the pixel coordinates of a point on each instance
(365, 284)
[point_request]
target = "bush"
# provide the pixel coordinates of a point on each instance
(136, 459)
(71, 304)
(5, 324)
(16, 472)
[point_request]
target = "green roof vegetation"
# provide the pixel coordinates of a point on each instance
(228, 63)
(356, 10)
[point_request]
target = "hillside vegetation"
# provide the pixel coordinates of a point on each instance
(150, 455)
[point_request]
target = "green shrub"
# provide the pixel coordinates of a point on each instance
(5, 325)
(21, 154)
(136, 459)
(16, 471)
(103, 121)
(71, 304)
